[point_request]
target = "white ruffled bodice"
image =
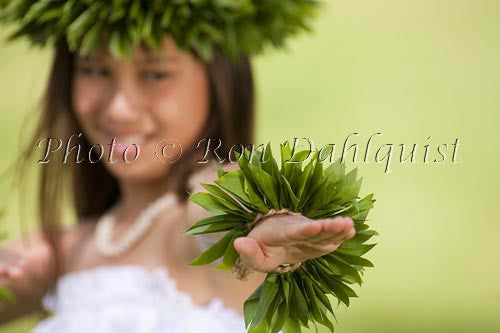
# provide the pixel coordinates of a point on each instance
(131, 299)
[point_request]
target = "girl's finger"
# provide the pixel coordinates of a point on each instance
(250, 252)
(22, 263)
(296, 232)
(336, 239)
(14, 272)
(343, 233)
(337, 228)
(8, 256)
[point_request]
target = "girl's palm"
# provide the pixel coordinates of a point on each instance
(23, 269)
(289, 239)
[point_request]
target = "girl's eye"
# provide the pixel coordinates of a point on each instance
(93, 71)
(154, 75)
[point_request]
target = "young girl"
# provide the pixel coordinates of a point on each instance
(122, 266)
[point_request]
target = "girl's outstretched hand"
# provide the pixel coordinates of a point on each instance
(23, 269)
(288, 239)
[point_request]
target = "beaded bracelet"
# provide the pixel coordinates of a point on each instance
(243, 272)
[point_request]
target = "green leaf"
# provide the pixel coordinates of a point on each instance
(291, 325)
(255, 199)
(167, 16)
(292, 197)
(278, 317)
(214, 252)
(355, 249)
(321, 295)
(7, 295)
(215, 204)
(214, 220)
(312, 299)
(250, 305)
(267, 185)
(91, 39)
(265, 299)
(233, 182)
(271, 311)
(300, 303)
(220, 172)
(230, 255)
(285, 285)
(82, 24)
(352, 259)
(212, 228)
(217, 191)
(339, 292)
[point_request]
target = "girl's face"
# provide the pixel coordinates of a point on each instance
(153, 104)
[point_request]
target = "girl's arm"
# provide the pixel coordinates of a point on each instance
(24, 268)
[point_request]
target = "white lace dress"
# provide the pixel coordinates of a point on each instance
(131, 299)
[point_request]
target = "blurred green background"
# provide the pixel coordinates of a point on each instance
(417, 71)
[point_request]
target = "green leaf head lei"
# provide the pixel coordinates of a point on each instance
(234, 26)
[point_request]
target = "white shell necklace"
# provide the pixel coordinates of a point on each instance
(106, 224)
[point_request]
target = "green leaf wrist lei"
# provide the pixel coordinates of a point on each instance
(292, 296)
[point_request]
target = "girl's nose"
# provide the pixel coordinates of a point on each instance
(122, 107)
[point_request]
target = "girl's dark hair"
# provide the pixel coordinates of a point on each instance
(90, 187)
